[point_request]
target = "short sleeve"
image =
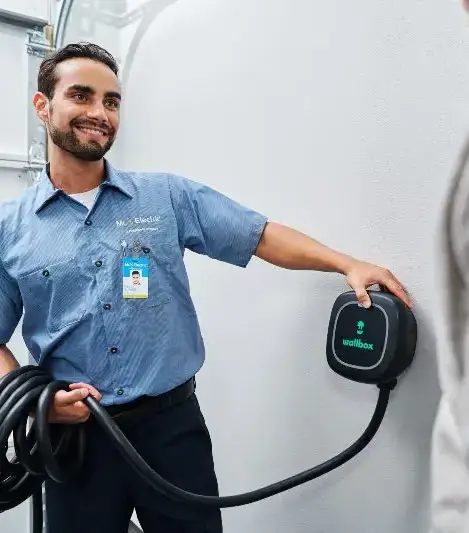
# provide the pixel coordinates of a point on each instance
(11, 305)
(210, 223)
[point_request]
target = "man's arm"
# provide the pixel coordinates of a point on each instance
(7, 361)
(210, 223)
(288, 248)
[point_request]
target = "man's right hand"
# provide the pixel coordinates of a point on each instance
(68, 407)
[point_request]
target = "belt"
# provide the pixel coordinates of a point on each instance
(144, 404)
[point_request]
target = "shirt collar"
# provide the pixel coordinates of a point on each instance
(47, 193)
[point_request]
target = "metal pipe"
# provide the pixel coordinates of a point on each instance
(43, 47)
(20, 20)
(11, 161)
(62, 20)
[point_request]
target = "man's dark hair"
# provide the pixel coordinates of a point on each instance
(47, 78)
(136, 272)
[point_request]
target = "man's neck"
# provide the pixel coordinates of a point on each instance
(73, 175)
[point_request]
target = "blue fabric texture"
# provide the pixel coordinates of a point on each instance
(61, 269)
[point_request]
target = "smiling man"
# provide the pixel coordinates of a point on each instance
(68, 247)
(84, 138)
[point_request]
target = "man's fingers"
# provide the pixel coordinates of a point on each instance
(364, 275)
(395, 287)
(363, 297)
(94, 392)
(80, 409)
(64, 398)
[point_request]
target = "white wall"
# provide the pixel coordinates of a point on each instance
(342, 119)
(13, 59)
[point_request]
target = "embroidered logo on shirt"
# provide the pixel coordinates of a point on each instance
(133, 221)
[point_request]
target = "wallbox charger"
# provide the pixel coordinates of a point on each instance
(374, 345)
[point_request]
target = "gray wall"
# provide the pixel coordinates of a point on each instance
(342, 119)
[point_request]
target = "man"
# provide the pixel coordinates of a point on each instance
(450, 446)
(65, 246)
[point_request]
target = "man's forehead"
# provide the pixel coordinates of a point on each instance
(86, 73)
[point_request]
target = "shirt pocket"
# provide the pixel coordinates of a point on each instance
(168, 263)
(55, 295)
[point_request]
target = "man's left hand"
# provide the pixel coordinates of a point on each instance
(361, 275)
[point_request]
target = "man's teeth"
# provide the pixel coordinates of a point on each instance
(92, 130)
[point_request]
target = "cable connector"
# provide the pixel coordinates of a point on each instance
(389, 385)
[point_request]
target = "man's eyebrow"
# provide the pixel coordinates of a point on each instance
(82, 88)
(89, 90)
(113, 94)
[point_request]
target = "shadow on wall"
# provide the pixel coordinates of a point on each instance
(150, 11)
(412, 415)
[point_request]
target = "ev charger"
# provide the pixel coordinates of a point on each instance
(371, 345)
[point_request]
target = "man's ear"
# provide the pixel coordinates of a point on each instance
(41, 104)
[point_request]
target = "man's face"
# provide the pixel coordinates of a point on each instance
(136, 279)
(83, 115)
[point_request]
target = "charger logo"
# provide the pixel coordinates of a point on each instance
(357, 343)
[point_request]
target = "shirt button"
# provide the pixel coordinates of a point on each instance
(146, 250)
(88, 222)
(113, 349)
(107, 306)
(45, 273)
(99, 263)
(120, 392)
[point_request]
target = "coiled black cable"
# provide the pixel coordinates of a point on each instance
(38, 456)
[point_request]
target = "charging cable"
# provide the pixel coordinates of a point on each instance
(38, 458)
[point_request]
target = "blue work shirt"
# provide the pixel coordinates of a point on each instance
(61, 265)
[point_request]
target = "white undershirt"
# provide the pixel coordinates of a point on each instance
(86, 198)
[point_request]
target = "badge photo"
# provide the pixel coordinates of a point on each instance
(135, 277)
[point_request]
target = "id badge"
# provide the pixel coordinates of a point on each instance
(135, 277)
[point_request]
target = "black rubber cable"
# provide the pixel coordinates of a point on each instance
(38, 457)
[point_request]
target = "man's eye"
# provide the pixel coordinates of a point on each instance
(79, 97)
(112, 103)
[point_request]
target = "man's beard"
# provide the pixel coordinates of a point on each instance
(68, 141)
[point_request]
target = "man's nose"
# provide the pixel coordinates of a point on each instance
(97, 111)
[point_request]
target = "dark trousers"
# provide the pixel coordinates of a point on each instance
(176, 443)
